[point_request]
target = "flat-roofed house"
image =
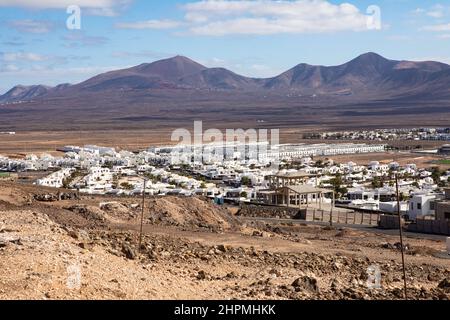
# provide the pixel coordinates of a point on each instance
(290, 189)
(443, 207)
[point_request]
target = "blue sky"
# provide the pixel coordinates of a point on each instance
(252, 37)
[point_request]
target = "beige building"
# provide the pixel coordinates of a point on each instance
(291, 190)
(443, 207)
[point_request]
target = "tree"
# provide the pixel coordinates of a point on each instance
(436, 174)
(246, 181)
(338, 187)
(244, 194)
(377, 182)
(126, 186)
(319, 164)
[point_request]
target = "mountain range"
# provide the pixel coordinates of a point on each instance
(369, 75)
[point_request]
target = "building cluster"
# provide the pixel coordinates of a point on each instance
(296, 180)
(292, 151)
(438, 134)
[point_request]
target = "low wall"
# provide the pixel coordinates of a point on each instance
(255, 211)
(389, 222)
(431, 227)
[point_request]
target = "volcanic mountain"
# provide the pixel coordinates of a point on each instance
(369, 75)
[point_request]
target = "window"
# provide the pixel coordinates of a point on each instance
(447, 216)
(419, 206)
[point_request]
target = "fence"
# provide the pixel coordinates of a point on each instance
(339, 217)
(430, 226)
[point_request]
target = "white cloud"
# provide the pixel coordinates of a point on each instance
(149, 24)
(81, 39)
(248, 66)
(96, 7)
(437, 11)
(261, 17)
(48, 75)
(32, 26)
(437, 28)
(9, 68)
(22, 57)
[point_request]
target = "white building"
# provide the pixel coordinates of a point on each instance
(421, 205)
(56, 179)
(98, 180)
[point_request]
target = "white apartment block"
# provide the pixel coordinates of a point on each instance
(292, 151)
(421, 205)
(56, 179)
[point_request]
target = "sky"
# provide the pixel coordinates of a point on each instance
(67, 41)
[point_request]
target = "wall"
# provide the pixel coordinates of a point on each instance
(267, 212)
(430, 226)
(441, 209)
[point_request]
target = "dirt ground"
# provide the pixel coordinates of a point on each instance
(87, 248)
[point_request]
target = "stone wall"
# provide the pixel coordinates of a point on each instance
(255, 211)
(389, 222)
(431, 226)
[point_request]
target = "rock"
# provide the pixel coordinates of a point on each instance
(222, 248)
(363, 276)
(443, 296)
(398, 246)
(78, 234)
(7, 239)
(231, 275)
(306, 283)
(445, 285)
(398, 293)
(336, 266)
(201, 275)
(433, 277)
(152, 255)
(85, 245)
(275, 272)
(129, 252)
(257, 233)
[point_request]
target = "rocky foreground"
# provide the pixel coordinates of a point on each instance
(86, 249)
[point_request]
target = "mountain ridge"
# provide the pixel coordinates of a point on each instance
(367, 74)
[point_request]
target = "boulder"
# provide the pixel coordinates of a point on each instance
(306, 283)
(129, 252)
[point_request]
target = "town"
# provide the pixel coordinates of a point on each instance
(249, 177)
(424, 134)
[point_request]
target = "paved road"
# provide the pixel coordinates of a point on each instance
(352, 226)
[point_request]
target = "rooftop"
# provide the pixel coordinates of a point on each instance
(307, 189)
(293, 175)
